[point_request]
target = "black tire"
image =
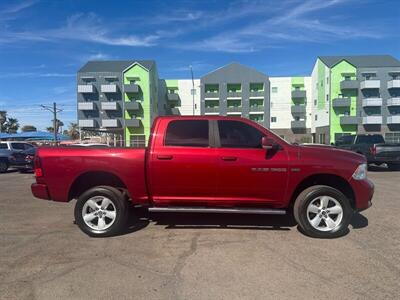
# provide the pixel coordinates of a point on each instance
(3, 166)
(119, 205)
(393, 167)
(304, 199)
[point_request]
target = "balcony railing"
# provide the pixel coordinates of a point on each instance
(370, 84)
(349, 85)
(211, 109)
(372, 120)
(257, 94)
(133, 123)
(109, 123)
(108, 88)
(213, 95)
(341, 102)
(372, 102)
(173, 96)
(298, 109)
(132, 105)
(234, 109)
(348, 120)
(85, 88)
(298, 94)
(298, 124)
(256, 108)
(109, 106)
(131, 88)
(86, 123)
(85, 106)
(393, 120)
(395, 101)
(394, 84)
(234, 95)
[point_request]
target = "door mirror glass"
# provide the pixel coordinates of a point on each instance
(267, 143)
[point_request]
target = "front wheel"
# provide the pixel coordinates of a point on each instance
(101, 211)
(323, 212)
(3, 166)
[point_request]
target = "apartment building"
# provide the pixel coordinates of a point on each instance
(355, 94)
(119, 97)
(236, 90)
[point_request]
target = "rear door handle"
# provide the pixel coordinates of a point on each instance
(229, 158)
(165, 157)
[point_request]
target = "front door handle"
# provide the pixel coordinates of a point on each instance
(229, 158)
(165, 157)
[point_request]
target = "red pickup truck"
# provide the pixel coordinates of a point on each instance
(207, 164)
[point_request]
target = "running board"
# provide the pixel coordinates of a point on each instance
(261, 211)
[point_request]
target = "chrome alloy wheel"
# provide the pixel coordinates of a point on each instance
(99, 213)
(324, 213)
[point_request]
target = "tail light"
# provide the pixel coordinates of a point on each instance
(373, 150)
(38, 167)
(29, 158)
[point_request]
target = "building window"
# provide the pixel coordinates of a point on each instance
(273, 119)
(187, 133)
(392, 137)
(327, 80)
(315, 102)
(274, 89)
(322, 138)
(327, 98)
(316, 117)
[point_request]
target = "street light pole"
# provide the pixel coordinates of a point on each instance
(193, 90)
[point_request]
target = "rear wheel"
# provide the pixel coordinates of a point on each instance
(101, 211)
(3, 166)
(323, 212)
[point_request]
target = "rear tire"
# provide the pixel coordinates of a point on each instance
(101, 211)
(323, 212)
(3, 166)
(393, 167)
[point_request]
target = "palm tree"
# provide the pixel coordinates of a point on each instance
(73, 131)
(28, 128)
(3, 119)
(12, 125)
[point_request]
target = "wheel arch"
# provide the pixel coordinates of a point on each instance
(90, 179)
(331, 180)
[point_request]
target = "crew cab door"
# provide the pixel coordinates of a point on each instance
(247, 173)
(182, 167)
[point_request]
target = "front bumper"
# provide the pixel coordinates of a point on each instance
(363, 192)
(40, 191)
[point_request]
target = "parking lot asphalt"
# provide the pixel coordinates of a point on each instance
(43, 255)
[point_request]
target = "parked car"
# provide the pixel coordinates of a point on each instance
(4, 160)
(23, 160)
(15, 145)
(207, 164)
(373, 147)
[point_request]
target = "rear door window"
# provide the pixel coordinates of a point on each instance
(187, 133)
(18, 146)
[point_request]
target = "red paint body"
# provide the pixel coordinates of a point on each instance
(168, 175)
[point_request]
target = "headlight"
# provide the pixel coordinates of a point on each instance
(361, 172)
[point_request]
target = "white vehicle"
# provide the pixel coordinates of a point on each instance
(15, 146)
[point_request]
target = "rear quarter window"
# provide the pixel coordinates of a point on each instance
(3, 146)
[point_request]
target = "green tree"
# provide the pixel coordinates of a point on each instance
(28, 128)
(73, 131)
(50, 129)
(3, 120)
(12, 125)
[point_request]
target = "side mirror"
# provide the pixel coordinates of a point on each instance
(267, 143)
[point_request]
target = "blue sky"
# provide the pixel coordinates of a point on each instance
(44, 42)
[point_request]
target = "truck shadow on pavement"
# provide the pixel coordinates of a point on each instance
(221, 221)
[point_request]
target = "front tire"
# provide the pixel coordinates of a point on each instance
(101, 211)
(323, 212)
(3, 166)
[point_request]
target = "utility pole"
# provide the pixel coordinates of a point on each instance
(193, 90)
(53, 110)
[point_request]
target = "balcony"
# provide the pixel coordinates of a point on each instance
(395, 101)
(257, 108)
(372, 102)
(108, 88)
(131, 88)
(372, 120)
(109, 106)
(133, 123)
(132, 105)
(301, 124)
(211, 109)
(341, 102)
(235, 95)
(348, 120)
(85, 88)
(298, 94)
(109, 123)
(86, 123)
(298, 109)
(257, 94)
(349, 85)
(393, 120)
(85, 106)
(370, 84)
(234, 109)
(173, 97)
(211, 95)
(394, 84)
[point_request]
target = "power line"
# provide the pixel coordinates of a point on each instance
(53, 110)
